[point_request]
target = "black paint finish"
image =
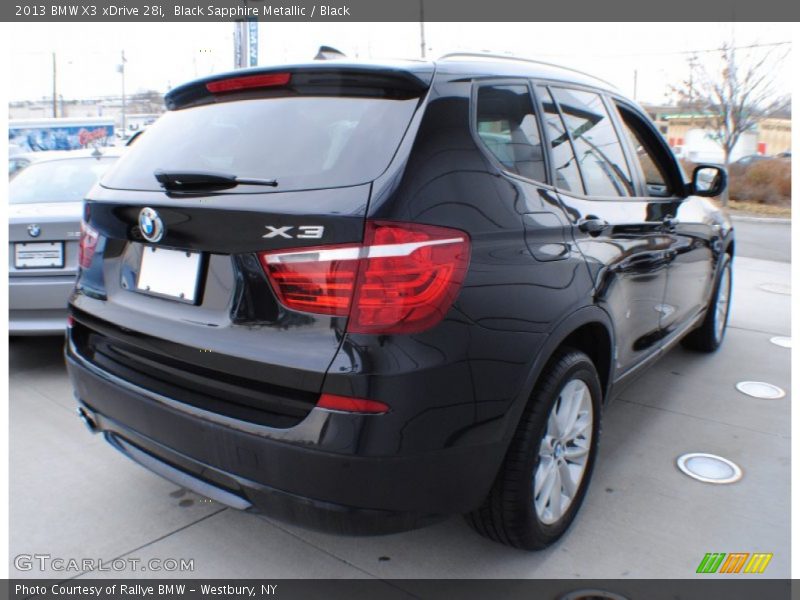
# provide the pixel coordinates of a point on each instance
(225, 390)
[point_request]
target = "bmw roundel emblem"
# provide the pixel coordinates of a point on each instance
(34, 230)
(151, 225)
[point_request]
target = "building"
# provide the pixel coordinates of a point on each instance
(140, 109)
(687, 131)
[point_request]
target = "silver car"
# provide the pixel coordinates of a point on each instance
(44, 235)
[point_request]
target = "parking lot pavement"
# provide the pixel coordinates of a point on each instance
(767, 239)
(72, 496)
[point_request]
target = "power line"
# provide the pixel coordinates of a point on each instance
(661, 53)
(712, 50)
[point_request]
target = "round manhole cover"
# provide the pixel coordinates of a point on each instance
(591, 595)
(783, 342)
(776, 288)
(760, 389)
(709, 468)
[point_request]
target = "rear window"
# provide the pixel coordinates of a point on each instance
(303, 142)
(65, 180)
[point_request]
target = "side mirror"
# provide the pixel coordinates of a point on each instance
(708, 180)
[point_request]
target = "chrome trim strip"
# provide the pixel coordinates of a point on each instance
(356, 252)
(179, 477)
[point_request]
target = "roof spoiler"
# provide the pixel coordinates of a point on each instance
(323, 78)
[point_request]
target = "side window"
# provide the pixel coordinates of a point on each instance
(599, 152)
(641, 138)
(568, 178)
(506, 124)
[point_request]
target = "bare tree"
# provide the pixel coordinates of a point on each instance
(731, 101)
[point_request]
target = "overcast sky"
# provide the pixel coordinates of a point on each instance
(161, 55)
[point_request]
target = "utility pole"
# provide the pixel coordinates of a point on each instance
(635, 82)
(55, 95)
(240, 44)
(422, 28)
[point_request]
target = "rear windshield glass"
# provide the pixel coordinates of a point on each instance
(302, 142)
(65, 180)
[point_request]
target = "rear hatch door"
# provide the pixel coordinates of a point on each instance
(174, 296)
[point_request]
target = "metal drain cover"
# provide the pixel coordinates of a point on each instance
(760, 389)
(776, 288)
(709, 468)
(591, 595)
(783, 342)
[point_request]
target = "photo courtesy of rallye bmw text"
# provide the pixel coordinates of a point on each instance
(428, 299)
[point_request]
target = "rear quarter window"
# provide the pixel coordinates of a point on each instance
(506, 125)
(303, 142)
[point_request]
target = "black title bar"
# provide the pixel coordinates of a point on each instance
(398, 10)
(702, 588)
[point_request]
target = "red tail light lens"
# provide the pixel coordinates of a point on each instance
(248, 82)
(88, 244)
(317, 280)
(410, 278)
(403, 279)
(347, 404)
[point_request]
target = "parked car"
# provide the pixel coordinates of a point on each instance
(44, 232)
(751, 159)
(363, 297)
(703, 151)
(17, 163)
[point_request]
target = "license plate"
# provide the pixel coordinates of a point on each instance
(39, 255)
(169, 273)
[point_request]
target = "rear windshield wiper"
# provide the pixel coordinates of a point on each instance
(205, 180)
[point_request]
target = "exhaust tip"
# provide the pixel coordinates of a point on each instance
(87, 420)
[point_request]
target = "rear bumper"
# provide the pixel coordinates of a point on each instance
(38, 305)
(40, 292)
(293, 474)
(37, 322)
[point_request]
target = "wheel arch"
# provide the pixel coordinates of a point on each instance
(588, 329)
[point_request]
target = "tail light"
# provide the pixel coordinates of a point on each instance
(402, 279)
(347, 404)
(88, 244)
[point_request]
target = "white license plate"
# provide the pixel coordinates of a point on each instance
(170, 273)
(39, 255)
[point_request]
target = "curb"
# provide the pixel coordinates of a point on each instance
(748, 219)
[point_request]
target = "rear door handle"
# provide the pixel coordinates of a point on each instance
(592, 225)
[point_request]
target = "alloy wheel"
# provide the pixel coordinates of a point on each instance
(563, 452)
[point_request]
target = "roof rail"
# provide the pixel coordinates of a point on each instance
(518, 58)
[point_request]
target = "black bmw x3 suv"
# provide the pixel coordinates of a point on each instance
(362, 297)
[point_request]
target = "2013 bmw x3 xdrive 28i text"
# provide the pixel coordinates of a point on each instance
(365, 296)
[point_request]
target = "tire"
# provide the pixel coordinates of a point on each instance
(512, 514)
(711, 332)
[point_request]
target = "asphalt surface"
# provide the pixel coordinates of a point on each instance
(73, 496)
(767, 240)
